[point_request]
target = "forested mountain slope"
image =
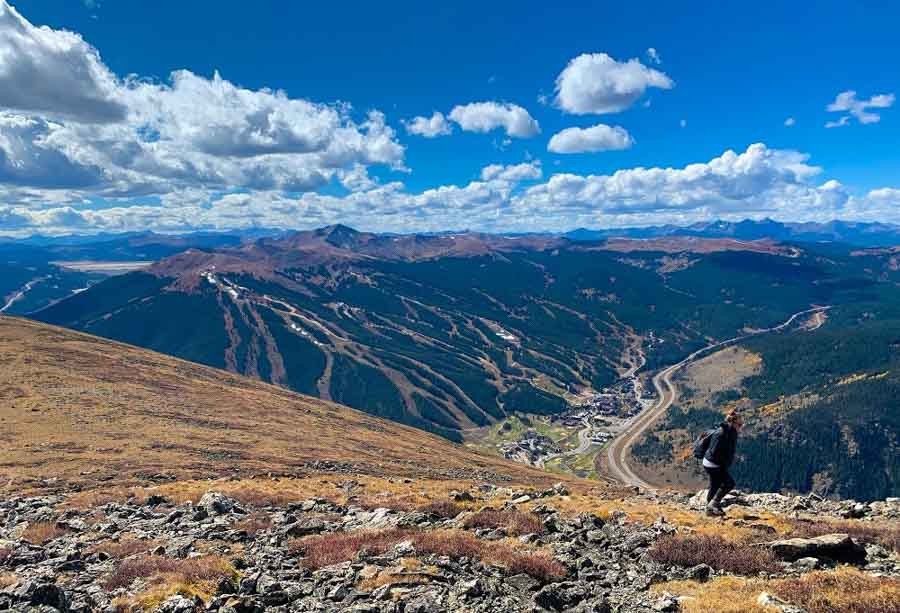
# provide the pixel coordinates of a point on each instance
(454, 331)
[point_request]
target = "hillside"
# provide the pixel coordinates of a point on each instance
(137, 482)
(452, 332)
(821, 404)
(78, 411)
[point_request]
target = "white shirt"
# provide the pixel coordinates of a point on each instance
(708, 464)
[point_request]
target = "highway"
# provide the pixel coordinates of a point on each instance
(619, 448)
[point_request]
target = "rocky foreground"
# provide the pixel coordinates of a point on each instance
(483, 549)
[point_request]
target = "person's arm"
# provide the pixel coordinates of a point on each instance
(732, 446)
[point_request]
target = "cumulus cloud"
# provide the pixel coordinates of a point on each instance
(515, 173)
(595, 83)
(653, 56)
(848, 102)
(487, 116)
(72, 130)
(790, 121)
(429, 127)
(757, 182)
(596, 138)
(53, 72)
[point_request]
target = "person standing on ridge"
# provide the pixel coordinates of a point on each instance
(718, 458)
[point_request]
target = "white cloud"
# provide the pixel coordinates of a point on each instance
(758, 182)
(790, 121)
(653, 56)
(429, 127)
(517, 173)
(840, 123)
(53, 72)
(847, 102)
(595, 83)
(596, 138)
(487, 116)
(75, 131)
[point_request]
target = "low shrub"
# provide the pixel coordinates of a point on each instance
(845, 590)
(443, 509)
(327, 549)
(515, 523)
(692, 549)
(457, 544)
(126, 547)
(159, 569)
(42, 532)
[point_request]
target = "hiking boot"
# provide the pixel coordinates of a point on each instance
(713, 509)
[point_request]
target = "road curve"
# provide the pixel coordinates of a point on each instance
(619, 448)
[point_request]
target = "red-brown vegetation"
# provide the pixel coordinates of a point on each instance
(443, 509)
(208, 568)
(719, 553)
(845, 590)
(126, 547)
(325, 550)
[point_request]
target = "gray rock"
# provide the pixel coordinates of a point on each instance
(215, 503)
(807, 564)
(837, 547)
(700, 573)
(304, 527)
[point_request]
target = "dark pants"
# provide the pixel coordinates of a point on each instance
(719, 482)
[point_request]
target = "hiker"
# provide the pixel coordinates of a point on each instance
(718, 457)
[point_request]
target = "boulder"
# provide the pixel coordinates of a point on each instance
(837, 547)
(215, 503)
(305, 527)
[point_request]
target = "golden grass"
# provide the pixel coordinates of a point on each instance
(8, 580)
(408, 571)
(844, 590)
(127, 546)
(164, 577)
(646, 513)
(513, 522)
(370, 492)
(79, 400)
(719, 595)
(442, 509)
(42, 532)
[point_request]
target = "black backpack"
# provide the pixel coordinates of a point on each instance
(701, 443)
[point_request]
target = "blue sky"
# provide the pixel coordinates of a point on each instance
(736, 73)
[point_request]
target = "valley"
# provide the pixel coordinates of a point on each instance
(468, 335)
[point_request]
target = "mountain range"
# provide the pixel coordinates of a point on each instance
(852, 233)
